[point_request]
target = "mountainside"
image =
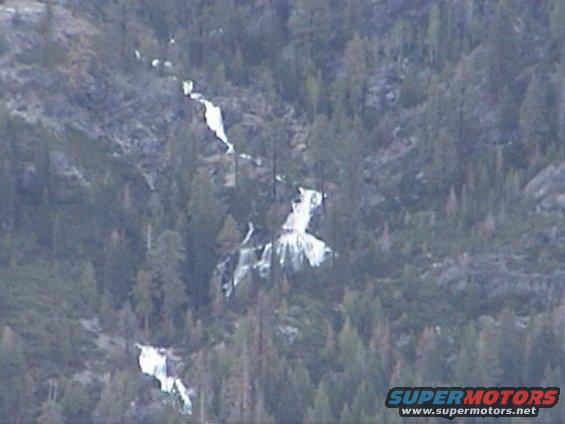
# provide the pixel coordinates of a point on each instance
(277, 209)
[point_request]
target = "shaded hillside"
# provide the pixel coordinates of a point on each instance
(429, 133)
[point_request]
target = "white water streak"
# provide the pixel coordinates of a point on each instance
(296, 245)
(153, 362)
(247, 237)
(212, 114)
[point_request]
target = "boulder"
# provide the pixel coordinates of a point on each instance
(493, 277)
(547, 189)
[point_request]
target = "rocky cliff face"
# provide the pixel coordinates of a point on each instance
(547, 190)
(52, 77)
(490, 278)
(53, 73)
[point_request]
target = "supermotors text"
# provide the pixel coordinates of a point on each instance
(451, 402)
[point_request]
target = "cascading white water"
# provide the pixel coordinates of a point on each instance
(299, 219)
(212, 114)
(153, 362)
(246, 260)
(296, 246)
(250, 231)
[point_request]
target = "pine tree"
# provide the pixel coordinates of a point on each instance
(451, 32)
(261, 415)
(263, 344)
(229, 236)
(310, 26)
(321, 411)
(239, 385)
(534, 122)
(384, 240)
(444, 160)
(451, 204)
(431, 362)
(43, 160)
(347, 416)
(161, 17)
(542, 351)
(278, 151)
(348, 221)
(165, 264)
(364, 400)
(400, 32)
(58, 239)
(107, 310)
(403, 374)
(204, 378)
(322, 143)
(560, 101)
(127, 327)
(509, 111)
(76, 402)
(349, 342)
(410, 92)
(143, 293)
(184, 150)
(356, 74)
(116, 270)
(51, 412)
(510, 350)
(87, 290)
(435, 110)
(45, 27)
(490, 373)
(313, 90)
(6, 250)
(502, 50)
(465, 365)
(558, 23)
(237, 137)
(433, 34)
(7, 196)
(352, 15)
(287, 388)
(16, 404)
(115, 400)
(126, 10)
(204, 221)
